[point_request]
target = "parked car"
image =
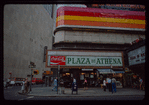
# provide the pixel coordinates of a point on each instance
(118, 84)
(19, 81)
(12, 81)
(16, 81)
(37, 81)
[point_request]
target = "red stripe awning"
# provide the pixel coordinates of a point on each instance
(94, 14)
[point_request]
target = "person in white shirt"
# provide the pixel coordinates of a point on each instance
(104, 84)
(23, 86)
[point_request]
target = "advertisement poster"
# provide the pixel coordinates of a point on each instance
(57, 60)
(81, 77)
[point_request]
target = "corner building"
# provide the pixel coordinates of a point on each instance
(91, 42)
(28, 29)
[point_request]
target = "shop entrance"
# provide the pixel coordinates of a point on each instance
(67, 76)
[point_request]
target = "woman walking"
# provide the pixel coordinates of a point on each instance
(85, 84)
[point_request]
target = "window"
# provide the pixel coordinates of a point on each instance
(49, 9)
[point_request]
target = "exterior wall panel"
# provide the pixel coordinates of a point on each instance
(96, 37)
(27, 29)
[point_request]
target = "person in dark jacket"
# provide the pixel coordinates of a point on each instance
(113, 84)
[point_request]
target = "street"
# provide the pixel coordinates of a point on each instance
(11, 93)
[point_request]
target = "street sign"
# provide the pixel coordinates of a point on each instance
(32, 66)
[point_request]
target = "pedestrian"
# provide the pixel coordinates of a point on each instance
(110, 84)
(104, 84)
(141, 81)
(107, 84)
(55, 84)
(8, 82)
(23, 86)
(85, 84)
(26, 85)
(113, 84)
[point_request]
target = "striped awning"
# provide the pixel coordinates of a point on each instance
(97, 18)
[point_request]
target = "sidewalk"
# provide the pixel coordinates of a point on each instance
(47, 91)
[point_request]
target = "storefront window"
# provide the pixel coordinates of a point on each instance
(91, 76)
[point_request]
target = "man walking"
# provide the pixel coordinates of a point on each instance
(26, 85)
(110, 85)
(107, 82)
(23, 85)
(104, 84)
(55, 84)
(141, 81)
(113, 84)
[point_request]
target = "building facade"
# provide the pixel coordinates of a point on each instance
(136, 63)
(107, 32)
(27, 30)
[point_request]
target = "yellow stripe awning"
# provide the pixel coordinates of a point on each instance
(100, 19)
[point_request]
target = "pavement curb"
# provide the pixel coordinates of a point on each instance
(79, 95)
(85, 96)
(42, 92)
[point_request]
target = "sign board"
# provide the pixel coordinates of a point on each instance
(48, 73)
(84, 61)
(137, 56)
(87, 69)
(57, 60)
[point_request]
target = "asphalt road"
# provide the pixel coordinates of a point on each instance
(11, 93)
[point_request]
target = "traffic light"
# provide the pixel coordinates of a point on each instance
(36, 72)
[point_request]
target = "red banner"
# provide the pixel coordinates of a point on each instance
(57, 60)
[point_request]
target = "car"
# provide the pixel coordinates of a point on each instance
(12, 81)
(118, 84)
(37, 81)
(16, 81)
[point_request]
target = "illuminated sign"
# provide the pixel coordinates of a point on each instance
(137, 56)
(85, 61)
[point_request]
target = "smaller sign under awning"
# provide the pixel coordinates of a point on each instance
(104, 71)
(119, 71)
(87, 69)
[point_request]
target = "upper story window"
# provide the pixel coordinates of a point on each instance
(49, 8)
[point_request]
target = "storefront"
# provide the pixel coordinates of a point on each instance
(118, 74)
(80, 65)
(136, 59)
